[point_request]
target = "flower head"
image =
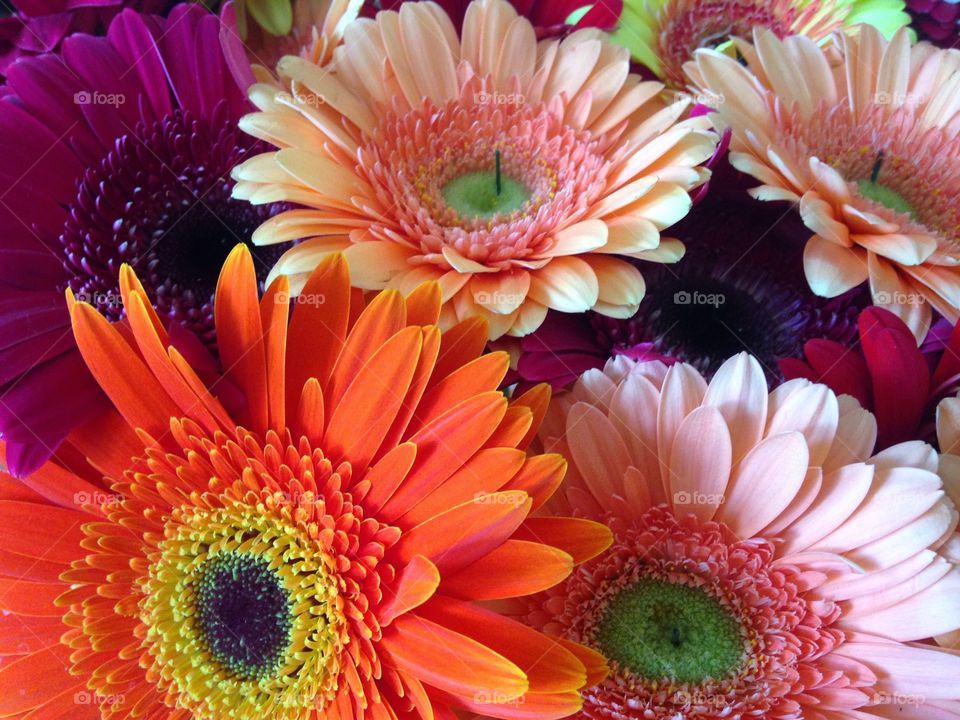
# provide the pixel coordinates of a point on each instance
(663, 34)
(511, 172)
(869, 149)
(764, 563)
(118, 150)
(316, 551)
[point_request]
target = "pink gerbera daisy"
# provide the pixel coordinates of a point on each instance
(511, 172)
(868, 144)
(765, 565)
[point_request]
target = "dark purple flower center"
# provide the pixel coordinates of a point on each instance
(706, 309)
(160, 201)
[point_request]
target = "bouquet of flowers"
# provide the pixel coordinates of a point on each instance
(517, 359)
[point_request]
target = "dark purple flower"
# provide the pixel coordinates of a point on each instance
(116, 150)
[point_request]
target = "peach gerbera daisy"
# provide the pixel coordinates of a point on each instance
(317, 551)
(663, 34)
(764, 565)
(948, 437)
(512, 172)
(870, 149)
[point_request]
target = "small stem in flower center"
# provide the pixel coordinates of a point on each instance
(499, 184)
(675, 639)
(875, 173)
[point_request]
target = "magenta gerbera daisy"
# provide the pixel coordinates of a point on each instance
(117, 150)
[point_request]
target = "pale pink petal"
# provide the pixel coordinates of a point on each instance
(700, 461)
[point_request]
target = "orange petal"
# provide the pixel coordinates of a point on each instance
(318, 326)
(32, 680)
(130, 284)
(42, 531)
(309, 422)
(369, 406)
(30, 598)
(513, 428)
(594, 662)
(540, 476)
(421, 377)
(423, 304)
(388, 474)
(514, 569)
(461, 344)
(417, 583)
(383, 318)
(467, 532)
(537, 399)
(156, 357)
(274, 315)
(485, 472)
(449, 660)
(583, 539)
(129, 384)
(446, 444)
(240, 334)
(549, 666)
(479, 375)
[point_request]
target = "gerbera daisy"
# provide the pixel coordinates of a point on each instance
(118, 150)
(550, 18)
(887, 373)
(739, 287)
(764, 565)
(511, 172)
(868, 147)
(320, 551)
(663, 34)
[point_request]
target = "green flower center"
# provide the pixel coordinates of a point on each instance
(485, 194)
(243, 613)
(660, 630)
(887, 197)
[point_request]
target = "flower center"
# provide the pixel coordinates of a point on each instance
(660, 630)
(908, 172)
(687, 25)
(485, 194)
(160, 201)
(443, 184)
(724, 295)
(243, 612)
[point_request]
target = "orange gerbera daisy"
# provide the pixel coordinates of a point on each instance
(315, 553)
(764, 565)
(511, 172)
(870, 148)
